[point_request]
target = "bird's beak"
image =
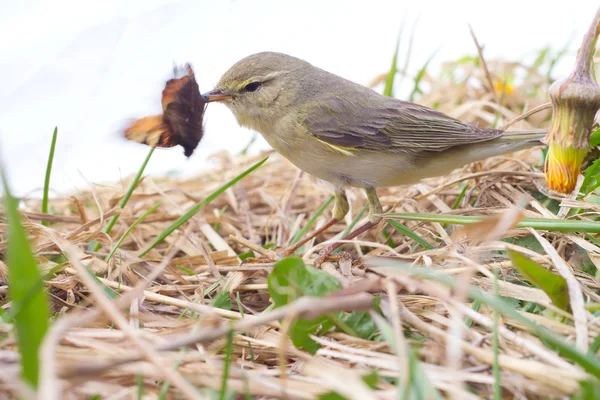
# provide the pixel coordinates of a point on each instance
(215, 95)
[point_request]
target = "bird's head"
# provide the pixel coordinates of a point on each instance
(260, 88)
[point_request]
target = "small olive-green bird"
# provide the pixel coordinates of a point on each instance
(350, 135)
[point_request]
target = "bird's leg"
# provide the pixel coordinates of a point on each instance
(374, 205)
(374, 208)
(340, 209)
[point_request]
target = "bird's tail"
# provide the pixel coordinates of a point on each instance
(534, 135)
(508, 142)
(512, 141)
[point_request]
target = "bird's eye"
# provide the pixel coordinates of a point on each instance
(252, 87)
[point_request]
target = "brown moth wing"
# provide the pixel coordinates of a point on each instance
(151, 131)
(184, 110)
(174, 85)
(181, 121)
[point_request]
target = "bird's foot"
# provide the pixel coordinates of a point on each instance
(325, 255)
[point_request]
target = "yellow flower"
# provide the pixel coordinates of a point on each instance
(563, 166)
(575, 102)
(503, 87)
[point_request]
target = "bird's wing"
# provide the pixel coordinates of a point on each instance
(391, 126)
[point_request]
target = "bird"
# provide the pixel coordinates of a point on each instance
(350, 135)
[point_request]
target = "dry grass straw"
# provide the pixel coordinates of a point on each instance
(163, 305)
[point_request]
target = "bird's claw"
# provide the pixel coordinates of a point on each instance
(325, 255)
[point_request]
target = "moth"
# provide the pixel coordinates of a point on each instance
(181, 121)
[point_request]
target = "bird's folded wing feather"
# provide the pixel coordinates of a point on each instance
(391, 126)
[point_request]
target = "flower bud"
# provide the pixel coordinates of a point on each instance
(575, 101)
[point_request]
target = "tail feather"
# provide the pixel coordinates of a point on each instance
(508, 142)
(534, 135)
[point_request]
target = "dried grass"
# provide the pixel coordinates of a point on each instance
(92, 338)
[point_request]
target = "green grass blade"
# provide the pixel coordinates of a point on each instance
(496, 345)
(405, 230)
(48, 173)
(311, 221)
(247, 395)
(167, 384)
(456, 203)
(25, 291)
(541, 58)
(595, 345)
(94, 246)
(203, 203)
(227, 365)
(588, 362)
(548, 224)
(388, 90)
(554, 285)
(416, 89)
(355, 220)
(460, 197)
(476, 306)
(238, 300)
(560, 54)
(352, 225)
(139, 382)
(417, 385)
(137, 221)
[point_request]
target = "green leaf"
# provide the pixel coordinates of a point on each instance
(301, 329)
(528, 242)
(511, 301)
(371, 379)
(592, 178)
(361, 323)
(26, 289)
(552, 284)
(595, 138)
(248, 254)
(292, 279)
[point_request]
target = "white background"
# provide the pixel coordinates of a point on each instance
(89, 66)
